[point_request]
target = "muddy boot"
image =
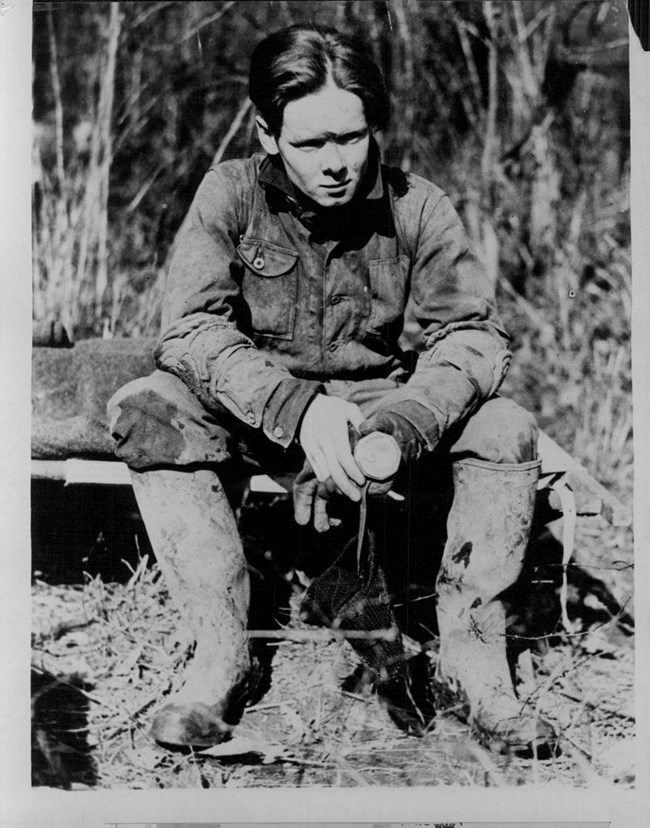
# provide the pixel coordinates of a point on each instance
(488, 529)
(193, 532)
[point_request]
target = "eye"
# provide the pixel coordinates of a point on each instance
(308, 146)
(352, 137)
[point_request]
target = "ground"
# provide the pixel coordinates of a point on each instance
(107, 650)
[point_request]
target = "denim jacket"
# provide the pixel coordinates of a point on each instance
(265, 301)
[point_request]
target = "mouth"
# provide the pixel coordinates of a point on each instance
(332, 188)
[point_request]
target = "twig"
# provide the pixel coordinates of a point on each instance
(544, 327)
(105, 113)
(268, 705)
(475, 100)
(139, 20)
(487, 763)
(211, 19)
(232, 131)
(599, 707)
(144, 189)
(404, 80)
(356, 697)
(568, 503)
(578, 52)
(58, 106)
(490, 122)
(324, 634)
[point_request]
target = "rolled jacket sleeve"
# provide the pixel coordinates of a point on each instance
(466, 354)
(201, 342)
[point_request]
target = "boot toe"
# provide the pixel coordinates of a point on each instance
(526, 737)
(195, 725)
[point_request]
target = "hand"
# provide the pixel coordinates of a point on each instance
(410, 441)
(310, 496)
(325, 440)
(394, 420)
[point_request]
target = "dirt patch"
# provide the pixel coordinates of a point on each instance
(120, 647)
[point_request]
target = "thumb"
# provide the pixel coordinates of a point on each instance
(368, 426)
(303, 498)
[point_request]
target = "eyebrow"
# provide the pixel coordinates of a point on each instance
(328, 136)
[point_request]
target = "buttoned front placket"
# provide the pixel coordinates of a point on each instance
(333, 290)
(335, 284)
(312, 262)
(329, 345)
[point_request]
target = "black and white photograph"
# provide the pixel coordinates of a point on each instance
(332, 461)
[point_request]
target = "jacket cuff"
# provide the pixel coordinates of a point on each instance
(285, 407)
(421, 418)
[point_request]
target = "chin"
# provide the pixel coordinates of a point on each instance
(333, 201)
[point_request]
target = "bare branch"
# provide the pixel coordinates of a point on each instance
(211, 19)
(234, 126)
(489, 141)
(105, 113)
(58, 105)
(147, 13)
(476, 100)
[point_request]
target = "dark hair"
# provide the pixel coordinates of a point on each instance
(297, 61)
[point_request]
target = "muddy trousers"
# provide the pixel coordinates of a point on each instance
(185, 461)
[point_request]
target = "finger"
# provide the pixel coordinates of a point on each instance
(327, 488)
(355, 416)
(305, 474)
(382, 487)
(367, 426)
(301, 510)
(321, 519)
(346, 486)
(339, 476)
(375, 423)
(303, 496)
(343, 467)
(319, 464)
(332, 474)
(350, 466)
(325, 440)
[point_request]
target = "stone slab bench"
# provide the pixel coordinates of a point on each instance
(70, 440)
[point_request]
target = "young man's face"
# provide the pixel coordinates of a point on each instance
(324, 144)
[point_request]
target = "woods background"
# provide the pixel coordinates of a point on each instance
(519, 110)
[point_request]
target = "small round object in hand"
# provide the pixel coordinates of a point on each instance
(378, 455)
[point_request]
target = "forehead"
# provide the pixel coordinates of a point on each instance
(329, 110)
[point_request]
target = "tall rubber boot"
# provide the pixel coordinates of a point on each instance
(193, 532)
(487, 533)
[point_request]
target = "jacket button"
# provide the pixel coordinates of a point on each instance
(258, 262)
(278, 432)
(250, 416)
(333, 346)
(335, 300)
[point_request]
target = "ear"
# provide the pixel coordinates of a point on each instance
(267, 140)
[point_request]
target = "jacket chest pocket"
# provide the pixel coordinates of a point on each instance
(269, 287)
(388, 279)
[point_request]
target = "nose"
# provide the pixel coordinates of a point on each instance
(334, 161)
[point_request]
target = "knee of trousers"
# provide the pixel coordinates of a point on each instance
(500, 432)
(157, 421)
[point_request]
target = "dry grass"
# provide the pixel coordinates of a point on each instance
(125, 646)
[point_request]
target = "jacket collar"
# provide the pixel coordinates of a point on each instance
(272, 174)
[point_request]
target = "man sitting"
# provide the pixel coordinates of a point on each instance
(292, 279)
